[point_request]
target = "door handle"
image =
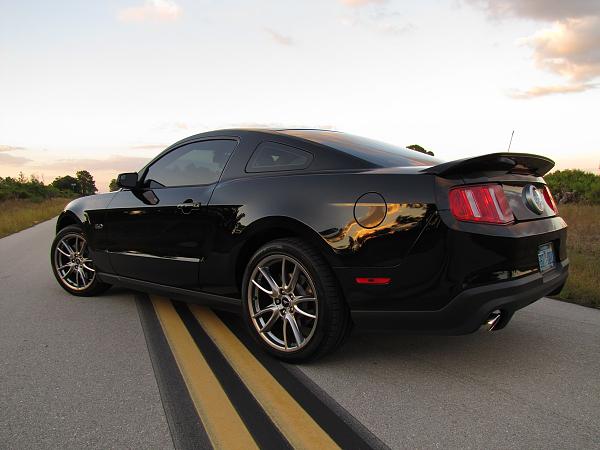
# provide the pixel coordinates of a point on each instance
(187, 207)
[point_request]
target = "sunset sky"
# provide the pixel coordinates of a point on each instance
(105, 85)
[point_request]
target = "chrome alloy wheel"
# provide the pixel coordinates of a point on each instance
(72, 262)
(282, 301)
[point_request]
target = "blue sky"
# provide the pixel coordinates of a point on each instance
(104, 85)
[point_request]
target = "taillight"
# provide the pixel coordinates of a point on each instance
(550, 199)
(485, 203)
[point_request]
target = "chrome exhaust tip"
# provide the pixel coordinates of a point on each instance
(493, 319)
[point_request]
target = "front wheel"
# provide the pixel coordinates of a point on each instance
(292, 303)
(72, 265)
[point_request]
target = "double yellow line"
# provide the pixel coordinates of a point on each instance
(222, 422)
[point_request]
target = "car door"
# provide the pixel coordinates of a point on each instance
(161, 231)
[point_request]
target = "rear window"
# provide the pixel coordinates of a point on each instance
(375, 152)
(272, 157)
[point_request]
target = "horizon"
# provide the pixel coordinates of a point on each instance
(106, 86)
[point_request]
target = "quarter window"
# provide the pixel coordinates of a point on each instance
(272, 156)
(191, 164)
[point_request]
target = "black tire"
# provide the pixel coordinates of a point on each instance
(87, 289)
(333, 323)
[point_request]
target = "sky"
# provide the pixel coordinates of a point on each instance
(106, 85)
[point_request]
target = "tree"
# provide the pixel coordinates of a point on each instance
(66, 183)
(113, 185)
(86, 182)
(420, 149)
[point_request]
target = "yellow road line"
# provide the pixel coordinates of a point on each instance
(291, 419)
(223, 425)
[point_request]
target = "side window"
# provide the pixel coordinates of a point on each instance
(271, 157)
(191, 164)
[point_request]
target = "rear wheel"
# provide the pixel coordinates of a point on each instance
(72, 265)
(292, 304)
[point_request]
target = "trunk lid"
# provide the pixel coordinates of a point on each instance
(513, 171)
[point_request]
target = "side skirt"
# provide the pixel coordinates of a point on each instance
(185, 295)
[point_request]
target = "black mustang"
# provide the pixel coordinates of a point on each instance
(307, 232)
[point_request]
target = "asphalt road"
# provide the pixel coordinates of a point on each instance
(76, 373)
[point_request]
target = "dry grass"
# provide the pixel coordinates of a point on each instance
(583, 245)
(16, 215)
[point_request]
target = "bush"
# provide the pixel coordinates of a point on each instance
(584, 186)
(28, 188)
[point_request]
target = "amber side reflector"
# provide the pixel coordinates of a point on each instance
(370, 280)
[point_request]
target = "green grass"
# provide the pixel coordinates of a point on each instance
(583, 245)
(16, 215)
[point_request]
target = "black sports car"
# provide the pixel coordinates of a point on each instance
(307, 232)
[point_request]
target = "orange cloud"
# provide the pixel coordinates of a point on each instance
(12, 161)
(540, 91)
(151, 11)
(570, 48)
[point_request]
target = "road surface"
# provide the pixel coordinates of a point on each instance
(82, 373)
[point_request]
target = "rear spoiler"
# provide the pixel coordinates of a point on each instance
(518, 163)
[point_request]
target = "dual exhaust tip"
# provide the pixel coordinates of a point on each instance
(493, 320)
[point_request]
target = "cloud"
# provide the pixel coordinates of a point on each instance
(278, 37)
(570, 48)
(115, 163)
(12, 161)
(149, 147)
(10, 148)
(380, 19)
(360, 2)
(541, 91)
(151, 11)
(546, 10)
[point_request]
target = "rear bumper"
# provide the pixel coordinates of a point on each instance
(466, 312)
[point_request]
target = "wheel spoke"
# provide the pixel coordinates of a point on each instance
(304, 313)
(294, 279)
(267, 275)
(264, 311)
(285, 341)
(66, 274)
(261, 288)
(283, 277)
(88, 268)
(63, 252)
(267, 327)
(69, 264)
(297, 300)
(83, 276)
(294, 325)
(68, 247)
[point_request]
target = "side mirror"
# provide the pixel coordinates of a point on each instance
(127, 180)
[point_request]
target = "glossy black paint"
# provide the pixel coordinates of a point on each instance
(366, 221)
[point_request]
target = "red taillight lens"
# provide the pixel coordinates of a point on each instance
(550, 199)
(484, 203)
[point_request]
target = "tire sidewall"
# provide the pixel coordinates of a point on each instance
(323, 316)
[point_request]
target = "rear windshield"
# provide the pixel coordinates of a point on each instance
(375, 152)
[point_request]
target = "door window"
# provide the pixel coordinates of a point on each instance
(198, 163)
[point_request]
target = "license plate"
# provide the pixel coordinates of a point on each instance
(546, 257)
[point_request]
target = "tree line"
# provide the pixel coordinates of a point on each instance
(33, 188)
(574, 185)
